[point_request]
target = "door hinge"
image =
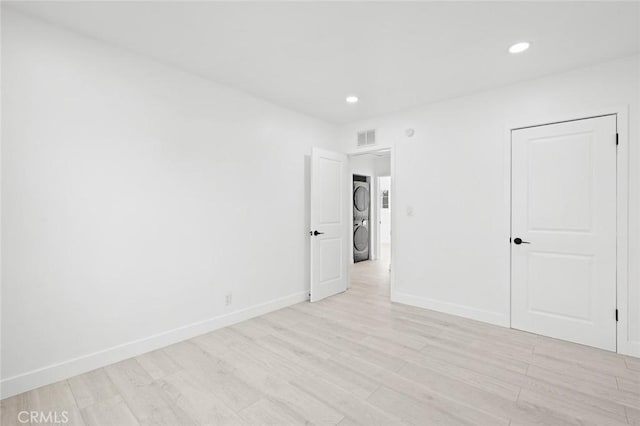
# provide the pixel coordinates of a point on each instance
(616, 315)
(617, 139)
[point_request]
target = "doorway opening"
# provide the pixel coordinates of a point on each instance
(371, 220)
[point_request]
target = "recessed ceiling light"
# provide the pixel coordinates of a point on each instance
(352, 99)
(519, 47)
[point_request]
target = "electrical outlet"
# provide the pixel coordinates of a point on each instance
(228, 299)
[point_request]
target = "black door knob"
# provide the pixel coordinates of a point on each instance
(316, 233)
(519, 241)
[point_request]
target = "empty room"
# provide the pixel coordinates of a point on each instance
(320, 213)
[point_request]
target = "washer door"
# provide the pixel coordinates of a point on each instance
(361, 238)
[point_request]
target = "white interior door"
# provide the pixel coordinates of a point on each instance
(330, 189)
(563, 228)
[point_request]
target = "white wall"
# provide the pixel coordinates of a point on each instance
(385, 214)
(453, 254)
(134, 197)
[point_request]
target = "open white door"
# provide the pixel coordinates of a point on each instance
(563, 253)
(329, 196)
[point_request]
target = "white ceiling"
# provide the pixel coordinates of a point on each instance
(308, 56)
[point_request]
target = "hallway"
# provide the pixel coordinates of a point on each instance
(371, 277)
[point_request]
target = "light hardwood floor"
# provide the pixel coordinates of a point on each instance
(353, 359)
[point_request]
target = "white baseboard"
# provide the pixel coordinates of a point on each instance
(451, 308)
(63, 370)
(629, 348)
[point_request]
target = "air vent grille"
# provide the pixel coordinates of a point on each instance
(367, 137)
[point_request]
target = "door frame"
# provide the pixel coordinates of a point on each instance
(391, 150)
(623, 344)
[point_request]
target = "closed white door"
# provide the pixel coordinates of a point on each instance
(330, 191)
(563, 230)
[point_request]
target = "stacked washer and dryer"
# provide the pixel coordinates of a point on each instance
(361, 208)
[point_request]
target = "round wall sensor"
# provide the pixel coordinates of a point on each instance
(409, 132)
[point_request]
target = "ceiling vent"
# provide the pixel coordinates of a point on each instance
(367, 138)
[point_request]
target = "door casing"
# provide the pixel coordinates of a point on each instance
(624, 345)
